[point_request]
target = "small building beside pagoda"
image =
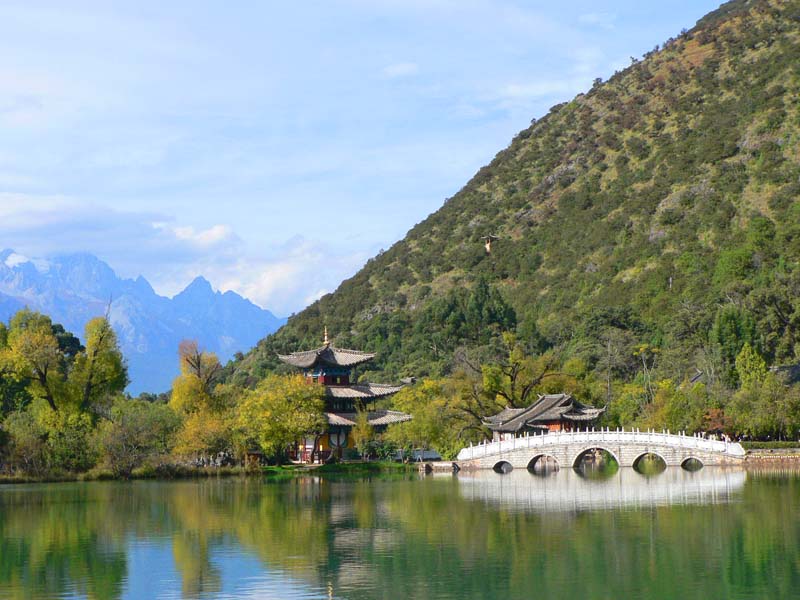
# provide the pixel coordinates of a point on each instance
(551, 412)
(332, 367)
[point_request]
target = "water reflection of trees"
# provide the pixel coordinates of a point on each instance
(397, 539)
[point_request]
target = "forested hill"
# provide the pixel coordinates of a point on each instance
(662, 207)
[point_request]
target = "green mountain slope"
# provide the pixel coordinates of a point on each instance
(662, 205)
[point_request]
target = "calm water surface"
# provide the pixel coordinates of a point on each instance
(711, 534)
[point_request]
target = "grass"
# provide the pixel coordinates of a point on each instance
(784, 445)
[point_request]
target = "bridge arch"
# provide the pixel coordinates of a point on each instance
(503, 467)
(543, 461)
(577, 460)
(636, 461)
(692, 463)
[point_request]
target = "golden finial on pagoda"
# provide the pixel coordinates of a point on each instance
(325, 339)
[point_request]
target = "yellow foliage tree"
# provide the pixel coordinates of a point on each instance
(280, 411)
(442, 418)
(204, 432)
(363, 433)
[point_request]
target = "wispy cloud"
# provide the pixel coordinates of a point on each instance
(403, 69)
(250, 135)
(282, 276)
(604, 20)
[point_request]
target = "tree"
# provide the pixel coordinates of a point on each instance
(280, 411)
(205, 432)
(514, 380)
(69, 438)
(53, 365)
(135, 432)
(363, 433)
(99, 371)
(732, 329)
(35, 355)
(674, 408)
(27, 449)
(443, 416)
(203, 365)
(194, 389)
(750, 367)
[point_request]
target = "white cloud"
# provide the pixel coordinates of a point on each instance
(403, 69)
(281, 275)
(603, 20)
(205, 237)
(289, 276)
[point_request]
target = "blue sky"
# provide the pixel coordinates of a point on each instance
(275, 146)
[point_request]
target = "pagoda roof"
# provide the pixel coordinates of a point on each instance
(375, 417)
(548, 408)
(362, 390)
(327, 355)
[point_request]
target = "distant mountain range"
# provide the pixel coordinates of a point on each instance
(72, 289)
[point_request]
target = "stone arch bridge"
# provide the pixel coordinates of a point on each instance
(627, 447)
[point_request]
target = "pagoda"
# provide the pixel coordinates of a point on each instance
(331, 366)
(551, 412)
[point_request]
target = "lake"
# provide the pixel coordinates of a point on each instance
(715, 533)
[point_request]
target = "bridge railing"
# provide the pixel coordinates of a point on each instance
(598, 438)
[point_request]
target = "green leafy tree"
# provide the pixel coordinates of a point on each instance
(732, 329)
(444, 416)
(135, 432)
(363, 433)
(27, 443)
(35, 356)
(99, 369)
(280, 411)
(514, 381)
(69, 439)
(750, 367)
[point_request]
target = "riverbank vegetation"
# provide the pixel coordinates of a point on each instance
(64, 413)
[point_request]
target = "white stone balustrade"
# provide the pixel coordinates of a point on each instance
(566, 447)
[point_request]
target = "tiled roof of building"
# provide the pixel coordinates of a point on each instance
(505, 415)
(548, 408)
(375, 417)
(327, 354)
(362, 390)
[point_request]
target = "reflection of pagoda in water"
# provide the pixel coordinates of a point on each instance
(331, 367)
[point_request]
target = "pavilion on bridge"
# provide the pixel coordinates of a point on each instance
(552, 412)
(332, 366)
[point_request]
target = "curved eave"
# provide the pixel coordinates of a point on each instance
(326, 355)
(371, 390)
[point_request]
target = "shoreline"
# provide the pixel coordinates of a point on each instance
(176, 472)
(754, 460)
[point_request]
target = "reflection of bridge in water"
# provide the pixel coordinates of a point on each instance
(626, 447)
(567, 491)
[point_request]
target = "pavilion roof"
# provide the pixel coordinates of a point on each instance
(328, 355)
(375, 417)
(362, 390)
(547, 408)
